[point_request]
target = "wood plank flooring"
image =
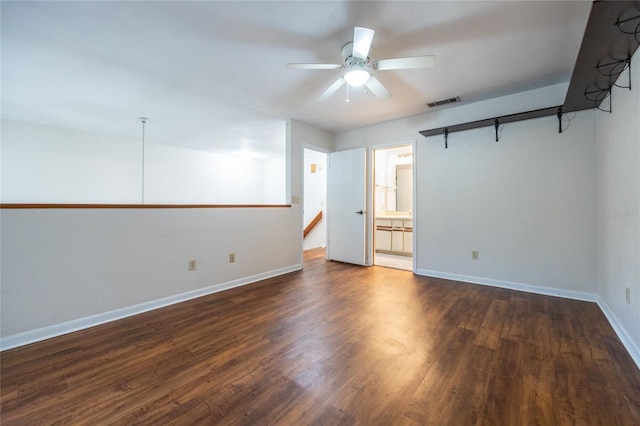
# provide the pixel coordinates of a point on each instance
(334, 344)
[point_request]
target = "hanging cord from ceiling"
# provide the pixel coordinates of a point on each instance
(143, 120)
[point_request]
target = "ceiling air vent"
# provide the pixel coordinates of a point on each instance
(443, 102)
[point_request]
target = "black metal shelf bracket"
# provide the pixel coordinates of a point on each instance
(599, 95)
(628, 26)
(614, 69)
(559, 114)
(496, 124)
(446, 137)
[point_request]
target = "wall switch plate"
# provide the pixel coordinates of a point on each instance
(295, 199)
(192, 265)
(627, 295)
(232, 257)
(474, 254)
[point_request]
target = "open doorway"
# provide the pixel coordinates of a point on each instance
(393, 207)
(314, 207)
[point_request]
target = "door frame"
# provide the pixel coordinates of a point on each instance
(327, 152)
(370, 181)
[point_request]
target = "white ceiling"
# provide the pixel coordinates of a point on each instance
(211, 75)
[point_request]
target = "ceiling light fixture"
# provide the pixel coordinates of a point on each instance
(357, 76)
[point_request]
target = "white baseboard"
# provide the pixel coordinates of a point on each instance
(55, 330)
(624, 337)
(548, 291)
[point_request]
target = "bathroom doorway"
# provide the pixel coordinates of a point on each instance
(393, 203)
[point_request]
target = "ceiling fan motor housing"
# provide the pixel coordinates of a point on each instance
(349, 60)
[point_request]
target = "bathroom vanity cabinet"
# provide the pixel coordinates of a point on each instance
(394, 235)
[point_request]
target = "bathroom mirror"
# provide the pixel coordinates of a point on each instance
(393, 180)
(404, 191)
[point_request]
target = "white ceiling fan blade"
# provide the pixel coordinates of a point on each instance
(314, 66)
(362, 39)
(332, 89)
(377, 88)
(405, 63)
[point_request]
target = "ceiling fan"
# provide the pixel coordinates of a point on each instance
(358, 66)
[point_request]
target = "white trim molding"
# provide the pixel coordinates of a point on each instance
(67, 327)
(627, 342)
(624, 337)
(547, 291)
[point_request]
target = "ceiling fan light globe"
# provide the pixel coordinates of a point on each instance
(357, 77)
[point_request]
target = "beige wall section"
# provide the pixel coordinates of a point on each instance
(61, 265)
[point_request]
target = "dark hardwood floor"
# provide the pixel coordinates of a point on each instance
(334, 344)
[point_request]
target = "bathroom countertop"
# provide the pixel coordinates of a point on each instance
(394, 217)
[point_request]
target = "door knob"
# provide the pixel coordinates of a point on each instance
(360, 212)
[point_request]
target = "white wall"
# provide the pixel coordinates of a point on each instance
(307, 136)
(315, 197)
(274, 181)
(618, 139)
(181, 175)
(384, 198)
(45, 164)
(525, 203)
(65, 269)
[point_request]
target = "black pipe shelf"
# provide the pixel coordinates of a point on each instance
(494, 121)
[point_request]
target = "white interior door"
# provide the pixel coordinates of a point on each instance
(346, 206)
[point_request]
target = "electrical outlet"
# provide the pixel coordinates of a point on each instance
(474, 254)
(232, 257)
(627, 293)
(192, 265)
